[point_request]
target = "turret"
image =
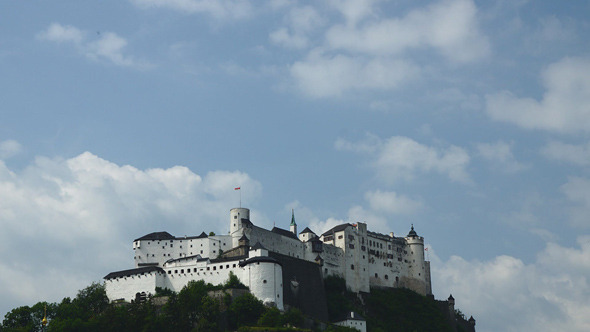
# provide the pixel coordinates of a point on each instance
(451, 302)
(236, 216)
(293, 227)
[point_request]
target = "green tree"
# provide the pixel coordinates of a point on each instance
(271, 318)
(245, 310)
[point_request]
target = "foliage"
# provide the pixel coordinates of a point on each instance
(163, 291)
(234, 282)
(245, 310)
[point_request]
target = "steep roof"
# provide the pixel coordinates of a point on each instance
(127, 273)
(307, 230)
(336, 229)
(156, 236)
(284, 232)
(257, 246)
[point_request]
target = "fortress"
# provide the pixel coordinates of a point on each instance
(281, 267)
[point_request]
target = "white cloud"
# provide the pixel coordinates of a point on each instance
(402, 158)
(301, 22)
(62, 33)
(565, 106)
(58, 215)
(574, 154)
(392, 203)
(9, 148)
(449, 27)
(107, 46)
(369, 52)
(500, 155)
(577, 190)
(505, 294)
(219, 9)
(322, 75)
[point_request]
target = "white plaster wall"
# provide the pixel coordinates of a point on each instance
(126, 287)
(265, 280)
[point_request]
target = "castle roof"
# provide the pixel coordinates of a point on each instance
(164, 236)
(335, 229)
(293, 218)
(284, 232)
(307, 230)
(131, 272)
(260, 259)
(351, 315)
(156, 236)
(257, 246)
(412, 232)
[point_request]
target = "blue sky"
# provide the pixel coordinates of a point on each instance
(469, 119)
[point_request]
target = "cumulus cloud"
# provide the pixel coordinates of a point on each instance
(107, 46)
(218, 9)
(449, 26)
(402, 158)
(504, 293)
(570, 153)
(9, 148)
(301, 21)
(323, 75)
(500, 155)
(392, 202)
(370, 50)
(59, 214)
(564, 107)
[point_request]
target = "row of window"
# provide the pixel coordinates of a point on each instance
(202, 269)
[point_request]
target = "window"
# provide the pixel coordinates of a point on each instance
(169, 272)
(386, 277)
(221, 267)
(352, 266)
(340, 236)
(235, 217)
(264, 281)
(214, 268)
(195, 269)
(207, 268)
(182, 271)
(175, 271)
(376, 275)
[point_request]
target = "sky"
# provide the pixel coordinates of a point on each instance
(468, 119)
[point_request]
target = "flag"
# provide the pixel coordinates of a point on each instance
(426, 249)
(237, 188)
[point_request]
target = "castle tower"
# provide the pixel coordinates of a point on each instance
(236, 215)
(293, 227)
(417, 265)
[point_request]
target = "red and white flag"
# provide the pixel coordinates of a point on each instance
(237, 188)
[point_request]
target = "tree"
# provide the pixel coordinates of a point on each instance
(245, 310)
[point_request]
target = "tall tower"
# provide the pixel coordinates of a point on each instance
(293, 227)
(417, 265)
(236, 216)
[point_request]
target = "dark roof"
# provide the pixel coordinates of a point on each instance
(260, 259)
(127, 273)
(351, 315)
(257, 246)
(306, 230)
(412, 232)
(244, 238)
(198, 257)
(162, 236)
(284, 232)
(156, 236)
(337, 229)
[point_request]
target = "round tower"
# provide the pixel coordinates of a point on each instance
(236, 215)
(416, 256)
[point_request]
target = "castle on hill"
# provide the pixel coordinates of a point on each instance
(281, 267)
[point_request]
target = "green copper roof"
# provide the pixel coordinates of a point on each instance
(293, 218)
